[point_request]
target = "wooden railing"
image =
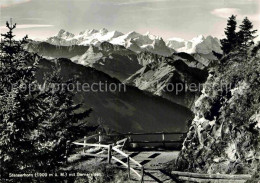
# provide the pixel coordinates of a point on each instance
(161, 140)
(110, 148)
(127, 165)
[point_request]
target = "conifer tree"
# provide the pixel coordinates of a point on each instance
(246, 34)
(230, 42)
(34, 124)
(20, 107)
(63, 121)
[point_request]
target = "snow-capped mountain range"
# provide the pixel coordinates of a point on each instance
(138, 42)
(198, 44)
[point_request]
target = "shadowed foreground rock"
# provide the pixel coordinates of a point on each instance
(224, 135)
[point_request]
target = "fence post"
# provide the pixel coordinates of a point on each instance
(142, 172)
(99, 137)
(85, 141)
(129, 136)
(109, 155)
(163, 139)
(67, 151)
(128, 167)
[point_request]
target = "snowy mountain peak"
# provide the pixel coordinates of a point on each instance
(64, 34)
(138, 42)
(159, 41)
(212, 39)
(176, 39)
(88, 32)
(147, 33)
(198, 39)
(61, 32)
(198, 44)
(151, 36)
(113, 34)
(132, 34)
(103, 31)
(92, 31)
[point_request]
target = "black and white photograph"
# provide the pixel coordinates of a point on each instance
(125, 91)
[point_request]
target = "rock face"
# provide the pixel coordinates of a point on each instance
(145, 58)
(169, 77)
(198, 44)
(224, 136)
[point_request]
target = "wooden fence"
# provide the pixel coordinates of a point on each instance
(110, 151)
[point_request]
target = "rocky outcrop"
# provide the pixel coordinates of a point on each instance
(145, 58)
(224, 136)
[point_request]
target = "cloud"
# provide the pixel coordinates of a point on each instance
(26, 26)
(8, 3)
(225, 12)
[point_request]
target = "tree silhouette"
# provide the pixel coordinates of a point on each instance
(21, 107)
(246, 34)
(230, 42)
(62, 121)
(35, 124)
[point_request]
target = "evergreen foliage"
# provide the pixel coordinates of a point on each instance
(246, 34)
(229, 43)
(21, 108)
(63, 121)
(240, 41)
(36, 123)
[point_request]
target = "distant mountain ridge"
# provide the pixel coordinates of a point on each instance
(160, 76)
(115, 60)
(131, 110)
(138, 42)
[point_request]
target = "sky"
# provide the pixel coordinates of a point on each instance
(166, 18)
